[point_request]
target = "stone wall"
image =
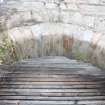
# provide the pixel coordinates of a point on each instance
(72, 28)
(87, 13)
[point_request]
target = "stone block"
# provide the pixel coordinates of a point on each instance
(77, 18)
(88, 21)
(88, 1)
(70, 1)
(92, 10)
(72, 7)
(68, 6)
(33, 4)
(65, 17)
(51, 1)
(63, 6)
(100, 24)
(51, 5)
(102, 2)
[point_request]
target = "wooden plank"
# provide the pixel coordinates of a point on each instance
(52, 94)
(37, 102)
(66, 65)
(51, 63)
(50, 90)
(49, 59)
(26, 69)
(36, 98)
(92, 102)
(9, 102)
(34, 75)
(55, 73)
(43, 86)
(12, 75)
(53, 83)
(45, 67)
(52, 80)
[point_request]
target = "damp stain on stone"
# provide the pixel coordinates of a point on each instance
(67, 43)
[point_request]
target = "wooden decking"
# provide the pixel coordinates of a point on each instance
(53, 81)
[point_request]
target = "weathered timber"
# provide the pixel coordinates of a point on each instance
(52, 81)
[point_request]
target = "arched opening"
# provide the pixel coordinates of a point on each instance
(53, 45)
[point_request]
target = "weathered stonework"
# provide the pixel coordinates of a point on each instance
(58, 39)
(72, 28)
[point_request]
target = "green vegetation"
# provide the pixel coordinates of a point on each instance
(81, 56)
(7, 49)
(78, 52)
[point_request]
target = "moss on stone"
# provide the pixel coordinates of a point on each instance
(81, 56)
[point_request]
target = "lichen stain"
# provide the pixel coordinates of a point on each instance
(67, 42)
(95, 39)
(94, 46)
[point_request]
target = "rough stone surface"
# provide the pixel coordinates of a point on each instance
(74, 28)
